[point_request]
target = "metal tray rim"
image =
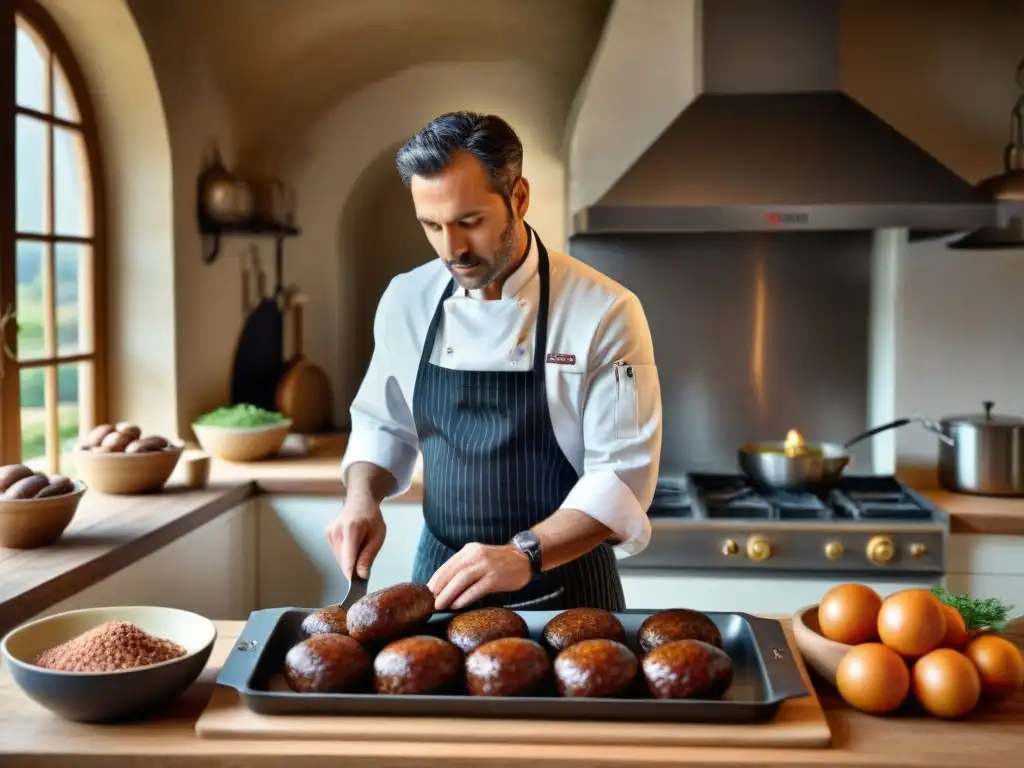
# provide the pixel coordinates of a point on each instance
(791, 683)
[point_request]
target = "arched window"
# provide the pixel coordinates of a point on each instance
(53, 384)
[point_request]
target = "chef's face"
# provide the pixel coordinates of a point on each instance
(474, 230)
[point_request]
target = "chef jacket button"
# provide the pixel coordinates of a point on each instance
(512, 363)
(449, 350)
(520, 303)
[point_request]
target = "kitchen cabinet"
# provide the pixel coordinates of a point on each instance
(723, 591)
(296, 566)
(211, 571)
(987, 566)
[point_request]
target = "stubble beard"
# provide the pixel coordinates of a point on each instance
(504, 256)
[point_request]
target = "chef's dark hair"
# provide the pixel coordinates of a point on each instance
(487, 137)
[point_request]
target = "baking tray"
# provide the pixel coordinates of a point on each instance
(764, 675)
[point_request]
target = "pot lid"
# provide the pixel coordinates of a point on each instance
(986, 419)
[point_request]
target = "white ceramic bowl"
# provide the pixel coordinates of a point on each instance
(242, 443)
(108, 696)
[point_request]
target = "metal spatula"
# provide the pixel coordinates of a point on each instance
(356, 590)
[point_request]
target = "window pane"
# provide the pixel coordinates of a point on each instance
(29, 302)
(30, 63)
(74, 392)
(73, 306)
(33, 178)
(64, 105)
(33, 417)
(72, 203)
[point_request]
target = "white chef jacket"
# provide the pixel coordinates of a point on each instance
(607, 423)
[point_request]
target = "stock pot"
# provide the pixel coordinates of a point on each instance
(985, 455)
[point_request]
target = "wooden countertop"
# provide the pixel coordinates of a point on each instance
(111, 532)
(31, 737)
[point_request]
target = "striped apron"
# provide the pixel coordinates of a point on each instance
(492, 468)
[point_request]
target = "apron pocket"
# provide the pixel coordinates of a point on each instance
(635, 386)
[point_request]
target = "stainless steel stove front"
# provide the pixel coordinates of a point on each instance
(870, 527)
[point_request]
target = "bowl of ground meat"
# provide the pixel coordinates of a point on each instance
(109, 664)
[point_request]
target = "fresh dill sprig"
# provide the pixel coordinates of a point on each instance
(979, 613)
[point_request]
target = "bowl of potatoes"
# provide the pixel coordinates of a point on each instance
(35, 508)
(121, 459)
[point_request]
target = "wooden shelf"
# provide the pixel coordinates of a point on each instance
(212, 232)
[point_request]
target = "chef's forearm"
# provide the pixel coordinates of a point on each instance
(567, 535)
(366, 479)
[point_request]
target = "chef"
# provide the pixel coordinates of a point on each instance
(527, 381)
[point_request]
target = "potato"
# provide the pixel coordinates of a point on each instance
(116, 442)
(129, 429)
(58, 486)
(95, 437)
(11, 474)
(27, 487)
(150, 444)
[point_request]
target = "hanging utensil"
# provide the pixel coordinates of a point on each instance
(259, 357)
(304, 393)
(247, 303)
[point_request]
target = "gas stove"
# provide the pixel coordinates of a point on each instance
(865, 524)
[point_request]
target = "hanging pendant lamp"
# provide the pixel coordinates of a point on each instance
(1007, 189)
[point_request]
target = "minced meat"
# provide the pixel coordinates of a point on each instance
(111, 646)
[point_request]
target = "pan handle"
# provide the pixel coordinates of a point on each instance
(874, 431)
(928, 424)
(241, 661)
(780, 668)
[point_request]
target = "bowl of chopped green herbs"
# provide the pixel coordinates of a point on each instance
(241, 432)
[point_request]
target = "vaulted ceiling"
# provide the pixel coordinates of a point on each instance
(282, 63)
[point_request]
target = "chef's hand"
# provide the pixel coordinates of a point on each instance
(357, 534)
(478, 570)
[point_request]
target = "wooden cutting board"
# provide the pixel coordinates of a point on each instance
(798, 723)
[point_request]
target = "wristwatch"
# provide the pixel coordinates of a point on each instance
(528, 543)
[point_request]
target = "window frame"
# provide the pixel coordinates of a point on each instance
(10, 395)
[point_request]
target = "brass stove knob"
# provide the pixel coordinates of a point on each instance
(881, 550)
(730, 547)
(758, 549)
(834, 550)
(917, 549)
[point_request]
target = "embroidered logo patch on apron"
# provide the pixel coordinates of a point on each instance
(560, 358)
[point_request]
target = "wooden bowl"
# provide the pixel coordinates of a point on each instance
(821, 654)
(242, 443)
(93, 697)
(30, 523)
(127, 473)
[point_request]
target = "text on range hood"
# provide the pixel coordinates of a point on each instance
(772, 143)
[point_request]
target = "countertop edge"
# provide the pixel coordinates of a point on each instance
(145, 537)
(139, 526)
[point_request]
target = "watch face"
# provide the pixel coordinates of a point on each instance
(529, 545)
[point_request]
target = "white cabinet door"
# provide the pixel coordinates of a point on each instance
(657, 590)
(988, 566)
(211, 571)
(296, 565)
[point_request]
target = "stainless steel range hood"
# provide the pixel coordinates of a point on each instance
(772, 143)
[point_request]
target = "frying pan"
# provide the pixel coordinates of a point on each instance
(812, 465)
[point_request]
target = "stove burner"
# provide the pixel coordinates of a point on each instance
(732, 497)
(671, 499)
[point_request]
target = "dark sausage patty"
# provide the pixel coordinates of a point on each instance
(417, 665)
(677, 624)
(472, 629)
(578, 624)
